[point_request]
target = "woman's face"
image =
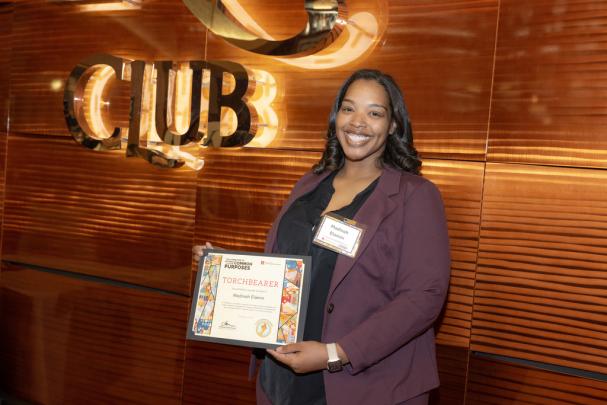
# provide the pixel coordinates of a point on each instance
(363, 121)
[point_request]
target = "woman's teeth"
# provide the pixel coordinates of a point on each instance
(357, 138)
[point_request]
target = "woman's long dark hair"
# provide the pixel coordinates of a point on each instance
(399, 151)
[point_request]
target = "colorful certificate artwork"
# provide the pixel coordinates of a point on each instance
(206, 296)
(287, 327)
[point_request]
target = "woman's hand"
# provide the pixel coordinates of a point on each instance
(303, 357)
(198, 250)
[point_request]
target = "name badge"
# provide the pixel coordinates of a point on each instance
(341, 235)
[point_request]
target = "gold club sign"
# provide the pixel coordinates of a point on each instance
(177, 107)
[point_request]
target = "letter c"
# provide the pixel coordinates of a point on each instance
(73, 100)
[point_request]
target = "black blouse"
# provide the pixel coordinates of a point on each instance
(295, 234)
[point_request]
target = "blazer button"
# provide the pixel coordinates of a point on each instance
(330, 308)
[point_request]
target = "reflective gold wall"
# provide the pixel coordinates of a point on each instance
(507, 99)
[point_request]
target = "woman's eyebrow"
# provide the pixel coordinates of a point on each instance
(370, 105)
(379, 105)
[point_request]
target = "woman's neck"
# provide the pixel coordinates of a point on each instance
(360, 170)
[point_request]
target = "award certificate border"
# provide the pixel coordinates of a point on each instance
(209, 277)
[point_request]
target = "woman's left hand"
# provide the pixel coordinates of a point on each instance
(303, 357)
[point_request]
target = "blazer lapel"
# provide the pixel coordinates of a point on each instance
(378, 206)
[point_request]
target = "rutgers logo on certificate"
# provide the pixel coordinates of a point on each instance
(250, 299)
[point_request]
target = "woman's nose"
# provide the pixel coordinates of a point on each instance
(359, 120)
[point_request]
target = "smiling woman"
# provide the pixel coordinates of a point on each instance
(368, 333)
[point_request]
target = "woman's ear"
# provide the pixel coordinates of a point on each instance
(392, 127)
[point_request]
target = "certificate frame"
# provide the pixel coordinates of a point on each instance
(256, 300)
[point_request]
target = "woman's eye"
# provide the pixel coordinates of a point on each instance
(378, 114)
(346, 109)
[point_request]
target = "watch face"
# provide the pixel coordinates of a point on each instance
(334, 366)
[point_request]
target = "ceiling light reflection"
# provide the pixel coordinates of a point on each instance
(119, 5)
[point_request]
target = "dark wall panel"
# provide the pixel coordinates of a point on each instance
(540, 285)
(228, 381)
(453, 372)
(549, 97)
(96, 213)
(73, 341)
(493, 382)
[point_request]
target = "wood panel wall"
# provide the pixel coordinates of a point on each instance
(540, 284)
(507, 99)
(75, 340)
(6, 20)
(548, 104)
(495, 382)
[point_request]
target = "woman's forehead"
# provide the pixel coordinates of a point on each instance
(370, 91)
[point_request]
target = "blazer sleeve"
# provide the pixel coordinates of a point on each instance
(421, 284)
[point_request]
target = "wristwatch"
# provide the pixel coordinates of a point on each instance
(334, 363)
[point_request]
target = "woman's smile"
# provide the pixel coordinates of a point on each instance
(356, 138)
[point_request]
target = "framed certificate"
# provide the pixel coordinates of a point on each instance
(250, 299)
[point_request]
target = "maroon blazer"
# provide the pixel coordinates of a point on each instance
(382, 304)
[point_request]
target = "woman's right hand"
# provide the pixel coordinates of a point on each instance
(198, 250)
